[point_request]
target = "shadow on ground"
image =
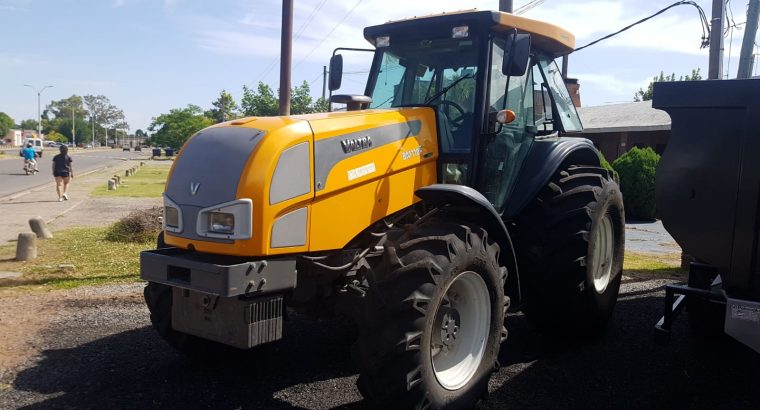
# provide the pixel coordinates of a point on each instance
(311, 368)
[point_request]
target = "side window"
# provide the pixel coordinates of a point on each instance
(542, 114)
(562, 100)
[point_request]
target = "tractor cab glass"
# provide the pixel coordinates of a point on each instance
(440, 72)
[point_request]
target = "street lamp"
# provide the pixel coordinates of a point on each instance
(39, 114)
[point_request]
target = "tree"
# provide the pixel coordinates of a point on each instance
(225, 108)
(260, 103)
(300, 100)
(54, 136)
(174, 128)
(646, 95)
(28, 125)
(6, 124)
(321, 105)
(105, 115)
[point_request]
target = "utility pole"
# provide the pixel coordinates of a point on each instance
(324, 81)
(746, 58)
(39, 113)
(506, 5)
(286, 56)
(73, 127)
(715, 71)
(92, 117)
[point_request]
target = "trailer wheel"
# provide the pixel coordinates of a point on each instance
(570, 244)
(435, 322)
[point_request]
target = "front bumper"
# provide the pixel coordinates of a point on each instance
(217, 274)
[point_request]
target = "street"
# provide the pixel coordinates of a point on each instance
(13, 179)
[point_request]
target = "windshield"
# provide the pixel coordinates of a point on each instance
(440, 72)
(411, 73)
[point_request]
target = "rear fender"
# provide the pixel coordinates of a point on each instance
(544, 159)
(470, 205)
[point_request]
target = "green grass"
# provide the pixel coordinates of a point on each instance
(96, 261)
(657, 264)
(148, 182)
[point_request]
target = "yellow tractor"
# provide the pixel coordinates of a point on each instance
(443, 198)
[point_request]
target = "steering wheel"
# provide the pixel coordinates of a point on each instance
(457, 120)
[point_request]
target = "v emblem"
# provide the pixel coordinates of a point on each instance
(194, 187)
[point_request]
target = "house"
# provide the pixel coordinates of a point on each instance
(17, 137)
(616, 128)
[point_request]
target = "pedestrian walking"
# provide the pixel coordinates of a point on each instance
(63, 171)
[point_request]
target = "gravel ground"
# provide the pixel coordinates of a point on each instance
(96, 350)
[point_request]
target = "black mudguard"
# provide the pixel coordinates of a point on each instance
(471, 205)
(545, 157)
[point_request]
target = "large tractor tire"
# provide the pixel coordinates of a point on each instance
(435, 318)
(570, 244)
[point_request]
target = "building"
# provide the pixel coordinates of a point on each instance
(616, 128)
(17, 137)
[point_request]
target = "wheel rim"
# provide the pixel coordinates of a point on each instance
(603, 253)
(460, 330)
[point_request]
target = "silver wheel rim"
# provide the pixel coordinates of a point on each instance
(460, 330)
(603, 253)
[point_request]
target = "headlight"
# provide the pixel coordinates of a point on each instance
(221, 222)
(172, 216)
(230, 220)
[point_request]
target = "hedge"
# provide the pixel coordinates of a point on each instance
(636, 169)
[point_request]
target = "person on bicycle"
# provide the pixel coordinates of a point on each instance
(29, 156)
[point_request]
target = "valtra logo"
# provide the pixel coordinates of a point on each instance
(356, 144)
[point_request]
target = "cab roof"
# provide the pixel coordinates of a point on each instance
(548, 37)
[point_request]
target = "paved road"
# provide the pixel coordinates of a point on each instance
(100, 352)
(13, 179)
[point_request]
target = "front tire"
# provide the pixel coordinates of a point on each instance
(435, 321)
(570, 245)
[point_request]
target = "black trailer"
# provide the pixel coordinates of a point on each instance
(708, 197)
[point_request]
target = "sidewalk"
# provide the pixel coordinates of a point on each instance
(79, 210)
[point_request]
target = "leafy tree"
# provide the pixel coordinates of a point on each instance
(54, 136)
(64, 108)
(225, 108)
(6, 124)
(174, 128)
(260, 103)
(104, 114)
(321, 105)
(83, 129)
(646, 95)
(637, 176)
(28, 125)
(300, 100)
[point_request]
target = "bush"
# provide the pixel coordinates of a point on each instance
(606, 165)
(637, 173)
(139, 226)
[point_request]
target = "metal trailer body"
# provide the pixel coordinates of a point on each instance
(708, 197)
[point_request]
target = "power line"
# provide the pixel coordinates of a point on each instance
(703, 18)
(527, 7)
(300, 31)
(329, 33)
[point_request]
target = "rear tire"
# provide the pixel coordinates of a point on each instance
(435, 322)
(570, 245)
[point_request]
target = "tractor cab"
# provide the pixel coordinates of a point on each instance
(492, 80)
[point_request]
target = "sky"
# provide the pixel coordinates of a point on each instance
(149, 56)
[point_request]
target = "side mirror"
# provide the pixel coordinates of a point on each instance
(516, 55)
(336, 72)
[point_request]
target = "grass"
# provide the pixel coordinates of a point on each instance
(148, 182)
(653, 264)
(96, 261)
